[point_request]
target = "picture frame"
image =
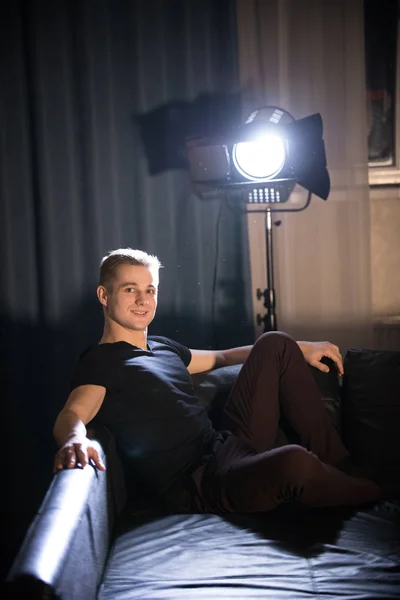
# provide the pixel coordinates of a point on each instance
(382, 44)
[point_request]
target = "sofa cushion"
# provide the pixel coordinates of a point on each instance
(371, 407)
(278, 555)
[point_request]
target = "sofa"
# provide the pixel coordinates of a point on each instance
(89, 540)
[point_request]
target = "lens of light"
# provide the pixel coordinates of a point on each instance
(260, 159)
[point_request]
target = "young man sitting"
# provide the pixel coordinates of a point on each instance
(141, 389)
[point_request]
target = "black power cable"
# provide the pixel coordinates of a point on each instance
(215, 275)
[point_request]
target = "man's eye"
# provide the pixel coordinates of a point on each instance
(151, 291)
(129, 289)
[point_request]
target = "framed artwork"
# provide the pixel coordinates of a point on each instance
(382, 53)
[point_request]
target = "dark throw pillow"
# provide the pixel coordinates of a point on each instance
(213, 389)
(371, 407)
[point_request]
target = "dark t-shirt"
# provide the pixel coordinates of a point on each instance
(161, 428)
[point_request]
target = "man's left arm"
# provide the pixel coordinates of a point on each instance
(206, 360)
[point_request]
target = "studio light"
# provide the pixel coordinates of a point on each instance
(271, 146)
(264, 158)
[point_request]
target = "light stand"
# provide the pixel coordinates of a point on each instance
(269, 319)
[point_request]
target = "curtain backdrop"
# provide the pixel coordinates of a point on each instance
(308, 56)
(75, 183)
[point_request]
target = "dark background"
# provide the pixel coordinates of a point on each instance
(79, 78)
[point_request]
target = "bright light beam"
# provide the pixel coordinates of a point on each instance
(261, 159)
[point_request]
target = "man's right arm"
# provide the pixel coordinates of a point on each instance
(69, 431)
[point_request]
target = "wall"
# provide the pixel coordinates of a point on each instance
(385, 251)
(385, 266)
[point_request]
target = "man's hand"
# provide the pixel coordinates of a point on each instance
(314, 351)
(78, 452)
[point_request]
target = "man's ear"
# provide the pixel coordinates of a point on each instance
(102, 295)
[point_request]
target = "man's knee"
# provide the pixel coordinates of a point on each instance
(277, 340)
(298, 464)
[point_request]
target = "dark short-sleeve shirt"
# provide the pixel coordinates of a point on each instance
(161, 427)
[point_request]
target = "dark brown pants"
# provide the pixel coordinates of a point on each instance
(246, 473)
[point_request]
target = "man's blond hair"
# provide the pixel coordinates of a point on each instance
(125, 256)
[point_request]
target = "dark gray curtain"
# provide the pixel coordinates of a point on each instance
(75, 183)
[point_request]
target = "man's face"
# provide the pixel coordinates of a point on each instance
(131, 300)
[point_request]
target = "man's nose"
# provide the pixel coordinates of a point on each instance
(142, 298)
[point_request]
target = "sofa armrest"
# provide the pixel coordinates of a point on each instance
(65, 550)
